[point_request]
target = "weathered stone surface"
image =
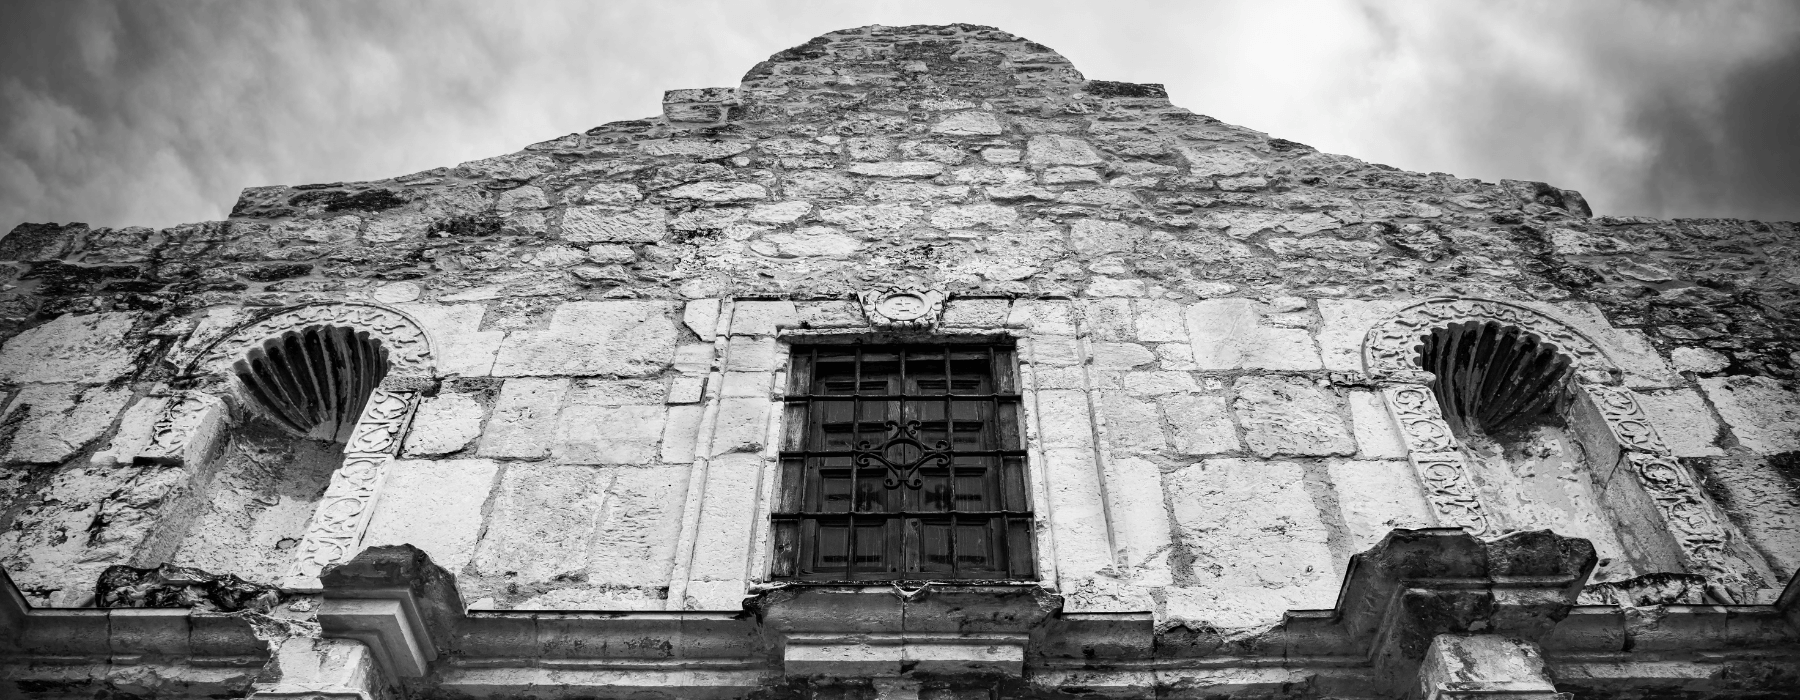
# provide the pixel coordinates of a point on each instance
(1345, 323)
(1763, 503)
(1683, 421)
(591, 434)
(1132, 424)
(432, 505)
(915, 168)
(1700, 360)
(602, 224)
(88, 349)
(1760, 412)
(459, 344)
(971, 123)
(1376, 496)
(1290, 416)
(1052, 149)
(1120, 355)
(542, 524)
(1201, 424)
(618, 338)
(719, 192)
(524, 421)
(637, 533)
(1094, 237)
(1256, 542)
(762, 317)
(1236, 334)
(51, 422)
(1376, 435)
(811, 242)
(1142, 530)
(444, 424)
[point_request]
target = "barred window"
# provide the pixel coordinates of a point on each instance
(903, 462)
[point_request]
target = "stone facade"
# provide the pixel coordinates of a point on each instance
(1240, 471)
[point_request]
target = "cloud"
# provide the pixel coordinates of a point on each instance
(121, 113)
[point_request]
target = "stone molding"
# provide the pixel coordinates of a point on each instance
(187, 430)
(1390, 356)
(407, 343)
(337, 525)
(397, 602)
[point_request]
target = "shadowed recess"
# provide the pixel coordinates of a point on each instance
(1493, 378)
(315, 381)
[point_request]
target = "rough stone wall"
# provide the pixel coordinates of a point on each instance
(608, 307)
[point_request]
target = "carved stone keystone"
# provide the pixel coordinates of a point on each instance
(902, 308)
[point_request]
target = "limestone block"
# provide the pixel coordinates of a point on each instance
(830, 314)
(1054, 149)
(84, 519)
(136, 431)
(1160, 321)
(435, 506)
(1107, 319)
(746, 384)
(1077, 515)
(619, 338)
(1474, 665)
(1176, 356)
(85, 349)
(909, 168)
(971, 123)
(1257, 543)
(1290, 416)
(779, 212)
(751, 354)
(878, 217)
(1142, 529)
(1133, 425)
(638, 528)
(809, 242)
(542, 523)
(694, 358)
(1376, 436)
(604, 224)
(619, 392)
(975, 216)
(459, 345)
(1220, 162)
(1700, 360)
(1157, 383)
(702, 317)
(527, 197)
(612, 193)
(1683, 421)
(1629, 348)
(444, 424)
(727, 518)
(980, 313)
(1063, 175)
(742, 425)
(687, 388)
(1201, 424)
(524, 421)
(1120, 356)
(1063, 415)
(713, 191)
(1043, 317)
(1096, 237)
(591, 434)
(1054, 351)
(1344, 324)
(762, 317)
(681, 434)
(1235, 334)
(813, 184)
(1763, 415)
(1376, 496)
(55, 421)
(1763, 503)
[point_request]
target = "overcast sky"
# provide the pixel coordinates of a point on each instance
(157, 113)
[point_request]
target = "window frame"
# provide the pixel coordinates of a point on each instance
(1010, 544)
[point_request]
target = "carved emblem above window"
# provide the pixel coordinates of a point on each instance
(902, 308)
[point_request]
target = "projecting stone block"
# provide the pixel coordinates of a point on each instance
(1233, 334)
(602, 224)
(589, 338)
(444, 424)
(1683, 421)
(1290, 416)
(85, 349)
(542, 522)
(1764, 416)
(1257, 543)
(435, 506)
(524, 420)
(1376, 496)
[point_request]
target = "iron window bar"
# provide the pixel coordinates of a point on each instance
(903, 462)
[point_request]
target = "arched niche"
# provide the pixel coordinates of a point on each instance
(311, 403)
(1491, 397)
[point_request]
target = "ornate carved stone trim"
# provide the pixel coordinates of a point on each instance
(1391, 349)
(1432, 449)
(186, 430)
(902, 308)
(337, 525)
(407, 344)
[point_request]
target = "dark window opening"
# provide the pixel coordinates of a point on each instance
(315, 381)
(903, 462)
(1495, 379)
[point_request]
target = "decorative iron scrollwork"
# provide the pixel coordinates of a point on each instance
(902, 454)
